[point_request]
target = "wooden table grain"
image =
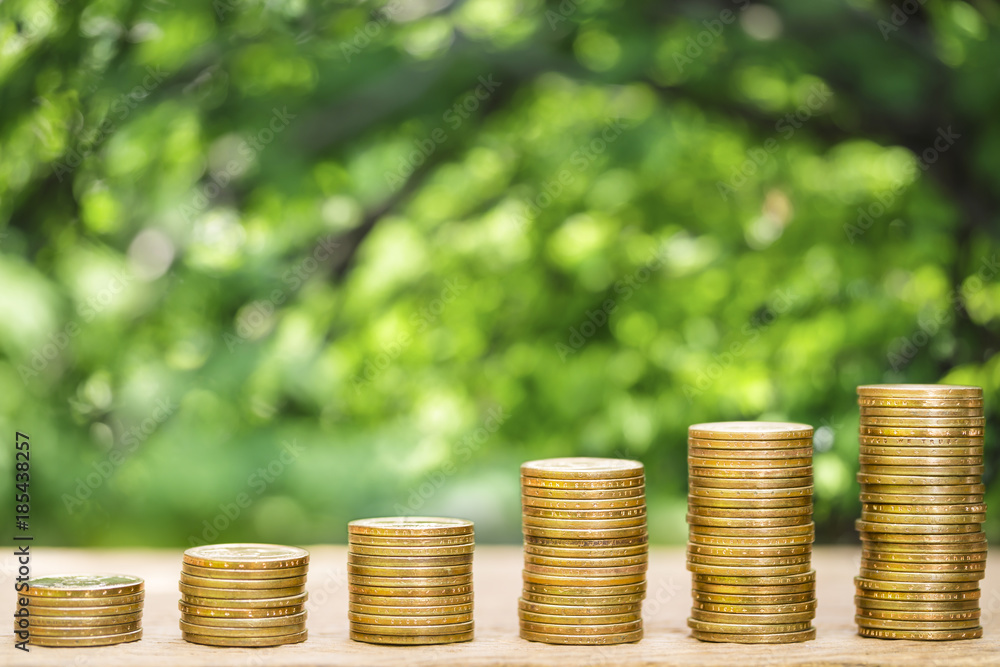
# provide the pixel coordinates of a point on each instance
(497, 583)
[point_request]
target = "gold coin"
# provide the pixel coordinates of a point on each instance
(894, 624)
(248, 575)
(241, 613)
(583, 504)
(418, 630)
(575, 563)
(412, 641)
(598, 571)
(752, 619)
(448, 551)
(912, 605)
(941, 635)
(910, 412)
(751, 431)
(406, 591)
(878, 450)
(409, 573)
(412, 602)
(748, 524)
(923, 568)
(909, 597)
(752, 495)
(440, 611)
(750, 454)
(577, 611)
(774, 531)
(247, 625)
(246, 556)
(103, 640)
(920, 391)
(802, 474)
(582, 494)
(442, 542)
(584, 484)
(533, 590)
(928, 432)
(408, 561)
(83, 621)
(622, 638)
(738, 610)
(733, 484)
(701, 539)
(595, 580)
(634, 551)
(407, 620)
(582, 467)
(75, 612)
(911, 481)
(750, 445)
(391, 582)
(749, 552)
(410, 526)
(904, 499)
(772, 561)
(748, 592)
(84, 631)
(923, 519)
(256, 603)
(239, 593)
(921, 577)
(241, 632)
(946, 549)
(580, 543)
(630, 617)
(947, 462)
(748, 628)
(741, 504)
(583, 524)
(83, 586)
(974, 471)
(779, 638)
(923, 529)
(579, 630)
(866, 583)
(586, 515)
(929, 616)
(918, 538)
(750, 512)
(923, 422)
(798, 579)
(38, 601)
(584, 534)
(728, 570)
(907, 508)
(243, 584)
(279, 640)
(928, 490)
(883, 441)
(920, 402)
(748, 464)
(586, 601)
(973, 557)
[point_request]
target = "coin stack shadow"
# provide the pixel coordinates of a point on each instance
(924, 552)
(248, 595)
(750, 532)
(75, 610)
(410, 580)
(585, 551)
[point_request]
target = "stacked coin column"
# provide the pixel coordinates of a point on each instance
(585, 551)
(244, 595)
(80, 610)
(924, 553)
(410, 580)
(751, 532)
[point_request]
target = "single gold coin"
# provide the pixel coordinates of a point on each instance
(249, 575)
(83, 586)
(929, 616)
(919, 402)
(921, 443)
(939, 635)
(466, 541)
(606, 639)
(779, 638)
(911, 605)
(584, 503)
(569, 571)
(803, 474)
(585, 515)
(583, 602)
(574, 553)
(728, 570)
(583, 484)
(947, 462)
(47, 611)
(936, 519)
(749, 523)
(867, 583)
(752, 495)
(257, 603)
(583, 621)
(748, 628)
(412, 602)
(754, 610)
(909, 597)
(741, 504)
(721, 561)
(83, 621)
(733, 484)
(935, 508)
(277, 640)
(923, 529)
(894, 624)
(584, 533)
(752, 532)
(239, 613)
(748, 552)
(923, 539)
(239, 593)
(798, 579)
(922, 432)
(247, 625)
(410, 526)
(38, 602)
(409, 573)
(412, 630)
(921, 577)
(920, 391)
(575, 611)
(902, 549)
(243, 584)
(923, 422)
(439, 611)
(880, 450)
(447, 551)
(701, 539)
(748, 464)
(84, 631)
(748, 592)
(750, 512)
(779, 454)
(100, 640)
(640, 560)
(583, 524)
(924, 558)
(559, 629)
(736, 446)
(914, 499)
(923, 568)
(246, 556)
(582, 494)
(974, 471)
(408, 561)
(582, 588)
(411, 640)
(753, 619)
(911, 481)
(544, 578)
(407, 620)
(582, 467)
(916, 412)
(751, 431)
(401, 581)
(635, 540)
(406, 591)
(928, 490)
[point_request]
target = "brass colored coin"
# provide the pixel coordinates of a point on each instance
(410, 526)
(808, 577)
(576, 563)
(411, 591)
(734, 485)
(437, 542)
(579, 543)
(749, 552)
(920, 391)
(248, 575)
(748, 591)
(575, 553)
(84, 621)
(243, 584)
(402, 621)
(781, 454)
(409, 573)
(240, 613)
(547, 579)
(911, 481)
(920, 403)
(583, 524)
(76, 612)
(448, 551)
(923, 529)
(567, 571)
(574, 611)
(866, 583)
(583, 484)
(722, 561)
(279, 640)
(83, 586)
(929, 616)
(748, 628)
(751, 431)
(750, 445)
(752, 619)
(408, 561)
(876, 450)
(240, 593)
(768, 600)
(756, 532)
(918, 538)
(246, 556)
(416, 604)
(583, 494)
(623, 638)
(419, 630)
(102, 640)
(748, 464)
(927, 489)
(931, 549)
(909, 597)
(583, 504)
(893, 624)
(440, 611)
(906, 508)
(586, 515)
(946, 462)
(740, 504)
(922, 577)
(912, 412)
(911, 605)
(918, 558)
(924, 422)
(803, 474)
(247, 625)
(582, 467)
(584, 621)
(911, 432)
(577, 630)
(581, 589)
(737, 610)
(750, 512)
(749, 523)
(752, 495)
(85, 631)
(926, 471)
(412, 641)
(780, 638)
(728, 570)
(584, 534)
(923, 444)
(401, 581)
(583, 602)
(257, 603)
(923, 519)
(914, 499)
(923, 568)
(702, 539)
(38, 601)
(940, 635)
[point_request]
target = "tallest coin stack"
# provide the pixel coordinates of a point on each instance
(922, 508)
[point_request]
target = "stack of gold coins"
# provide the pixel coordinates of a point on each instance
(751, 532)
(410, 580)
(244, 595)
(585, 551)
(80, 610)
(922, 508)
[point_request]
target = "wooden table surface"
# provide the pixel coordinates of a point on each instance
(497, 584)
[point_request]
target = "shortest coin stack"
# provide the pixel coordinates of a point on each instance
(410, 580)
(80, 610)
(244, 595)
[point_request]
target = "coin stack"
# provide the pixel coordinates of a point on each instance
(80, 610)
(410, 580)
(244, 595)
(751, 532)
(585, 551)
(923, 554)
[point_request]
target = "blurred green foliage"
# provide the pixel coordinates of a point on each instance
(275, 265)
